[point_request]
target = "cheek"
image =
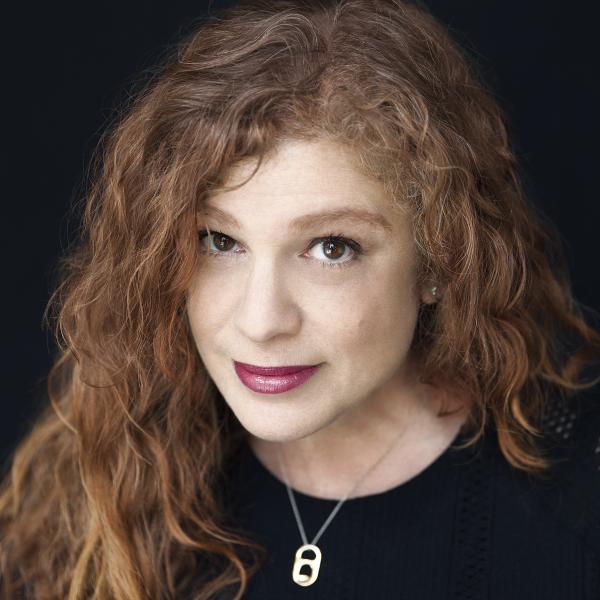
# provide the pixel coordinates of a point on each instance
(373, 323)
(206, 308)
(387, 322)
(385, 318)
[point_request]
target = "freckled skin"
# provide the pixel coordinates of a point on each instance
(273, 303)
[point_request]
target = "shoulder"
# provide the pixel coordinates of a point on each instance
(571, 442)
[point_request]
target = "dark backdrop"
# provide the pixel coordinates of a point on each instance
(68, 67)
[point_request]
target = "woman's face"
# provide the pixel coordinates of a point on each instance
(273, 293)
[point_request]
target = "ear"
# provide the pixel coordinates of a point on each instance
(427, 296)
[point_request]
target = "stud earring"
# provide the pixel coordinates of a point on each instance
(434, 291)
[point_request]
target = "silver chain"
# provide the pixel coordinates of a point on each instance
(338, 505)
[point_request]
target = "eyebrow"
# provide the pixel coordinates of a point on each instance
(311, 220)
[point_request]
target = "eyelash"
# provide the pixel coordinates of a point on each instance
(338, 238)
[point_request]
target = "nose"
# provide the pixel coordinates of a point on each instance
(267, 307)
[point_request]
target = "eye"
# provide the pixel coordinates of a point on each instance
(223, 242)
(334, 247)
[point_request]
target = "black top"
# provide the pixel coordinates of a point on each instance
(469, 526)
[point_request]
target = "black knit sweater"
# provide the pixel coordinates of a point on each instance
(467, 527)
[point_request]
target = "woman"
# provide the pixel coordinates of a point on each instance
(314, 339)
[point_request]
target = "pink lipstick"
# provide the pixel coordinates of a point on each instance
(273, 380)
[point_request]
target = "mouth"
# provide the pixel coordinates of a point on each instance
(273, 380)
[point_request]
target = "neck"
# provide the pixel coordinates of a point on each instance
(329, 462)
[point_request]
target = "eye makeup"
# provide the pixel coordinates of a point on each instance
(337, 239)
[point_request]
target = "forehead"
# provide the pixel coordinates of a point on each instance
(310, 183)
(308, 167)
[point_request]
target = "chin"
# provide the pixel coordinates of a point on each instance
(277, 434)
(278, 430)
(282, 431)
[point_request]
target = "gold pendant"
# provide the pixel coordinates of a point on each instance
(313, 564)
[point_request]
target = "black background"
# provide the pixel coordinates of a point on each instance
(67, 68)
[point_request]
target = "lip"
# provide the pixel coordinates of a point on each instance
(273, 380)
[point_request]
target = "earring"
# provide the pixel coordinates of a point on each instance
(434, 291)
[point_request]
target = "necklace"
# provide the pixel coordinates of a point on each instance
(300, 560)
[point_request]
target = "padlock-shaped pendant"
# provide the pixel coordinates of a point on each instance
(313, 564)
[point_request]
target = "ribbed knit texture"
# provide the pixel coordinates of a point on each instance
(467, 527)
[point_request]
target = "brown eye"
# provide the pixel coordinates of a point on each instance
(333, 249)
(222, 242)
